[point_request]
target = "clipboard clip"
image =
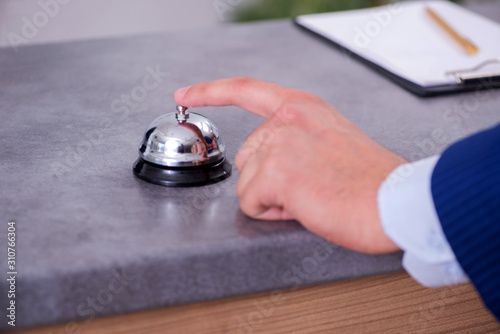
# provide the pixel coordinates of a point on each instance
(465, 76)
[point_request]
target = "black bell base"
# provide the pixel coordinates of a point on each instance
(182, 176)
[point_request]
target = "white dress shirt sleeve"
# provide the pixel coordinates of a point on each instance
(409, 219)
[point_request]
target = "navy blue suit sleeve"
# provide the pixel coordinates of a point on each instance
(466, 190)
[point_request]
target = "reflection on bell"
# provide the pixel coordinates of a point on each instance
(182, 149)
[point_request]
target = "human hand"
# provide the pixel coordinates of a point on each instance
(306, 162)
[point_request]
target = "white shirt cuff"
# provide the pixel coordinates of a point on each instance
(409, 219)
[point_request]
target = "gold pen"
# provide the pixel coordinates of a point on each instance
(464, 42)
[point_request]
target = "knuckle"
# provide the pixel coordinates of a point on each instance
(272, 164)
(242, 83)
(286, 113)
(241, 157)
(238, 161)
(308, 97)
(276, 176)
(265, 136)
(239, 189)
(297, 107)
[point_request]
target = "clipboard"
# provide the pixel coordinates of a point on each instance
(429, 63)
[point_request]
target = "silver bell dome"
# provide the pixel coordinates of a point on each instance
(179, 143)
(182, 146)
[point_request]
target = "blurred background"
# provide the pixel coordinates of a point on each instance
(67, 20)
(272, 9)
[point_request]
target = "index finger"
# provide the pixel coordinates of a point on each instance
(256, 96)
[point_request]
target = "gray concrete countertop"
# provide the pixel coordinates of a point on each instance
(92, 240)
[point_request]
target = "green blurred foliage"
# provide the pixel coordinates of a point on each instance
(274, 9)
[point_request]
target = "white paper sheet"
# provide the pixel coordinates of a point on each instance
(404, 39)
